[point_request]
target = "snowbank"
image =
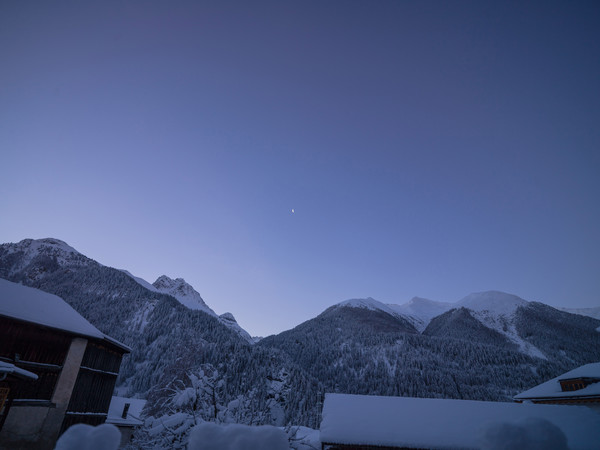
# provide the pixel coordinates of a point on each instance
(86, 437)
(210, 436)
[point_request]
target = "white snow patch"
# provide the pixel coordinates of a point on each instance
(86, 437)
(141, 317)
(210, 436)
(505, 325)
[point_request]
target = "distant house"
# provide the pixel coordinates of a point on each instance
(125, 414)
(580, 386)
(60, 370)
(361, 422)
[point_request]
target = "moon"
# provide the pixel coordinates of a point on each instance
(293, 211)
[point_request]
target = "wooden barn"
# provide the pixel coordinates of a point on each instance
(362, 422)
(64, 372)
(580, 386)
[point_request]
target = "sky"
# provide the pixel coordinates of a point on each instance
(426, 148)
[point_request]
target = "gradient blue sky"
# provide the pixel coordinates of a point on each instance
(429, 149)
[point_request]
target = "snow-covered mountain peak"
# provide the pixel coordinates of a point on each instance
(53, 243)
(228, 316)
(494, 302)
(165, 282)
(55, 249)
(367, 303)
(420, 311)
(183, 292)
(496, 310)
(49, 246)
(228, 320)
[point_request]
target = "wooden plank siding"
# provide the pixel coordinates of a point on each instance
(37, 349)
(94, 386)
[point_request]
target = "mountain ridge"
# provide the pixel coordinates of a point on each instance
(360, 346)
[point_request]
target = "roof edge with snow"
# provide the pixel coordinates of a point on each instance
(30, 305)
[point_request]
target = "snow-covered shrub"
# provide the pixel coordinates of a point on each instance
(303, 438)
(86, 437)
(198, 399)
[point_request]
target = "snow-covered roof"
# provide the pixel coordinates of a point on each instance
(552, 389)
(35, 306)
(115, 411)
(440, 423)
(11, 369)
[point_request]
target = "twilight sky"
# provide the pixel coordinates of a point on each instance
(428, 148)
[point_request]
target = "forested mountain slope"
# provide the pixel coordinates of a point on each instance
(367, 351)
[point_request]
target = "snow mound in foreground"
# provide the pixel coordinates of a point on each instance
(86, 437)
(210, 436)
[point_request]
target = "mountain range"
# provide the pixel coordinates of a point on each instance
(487, 346)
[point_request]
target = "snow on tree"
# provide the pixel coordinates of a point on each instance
(199, 399)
